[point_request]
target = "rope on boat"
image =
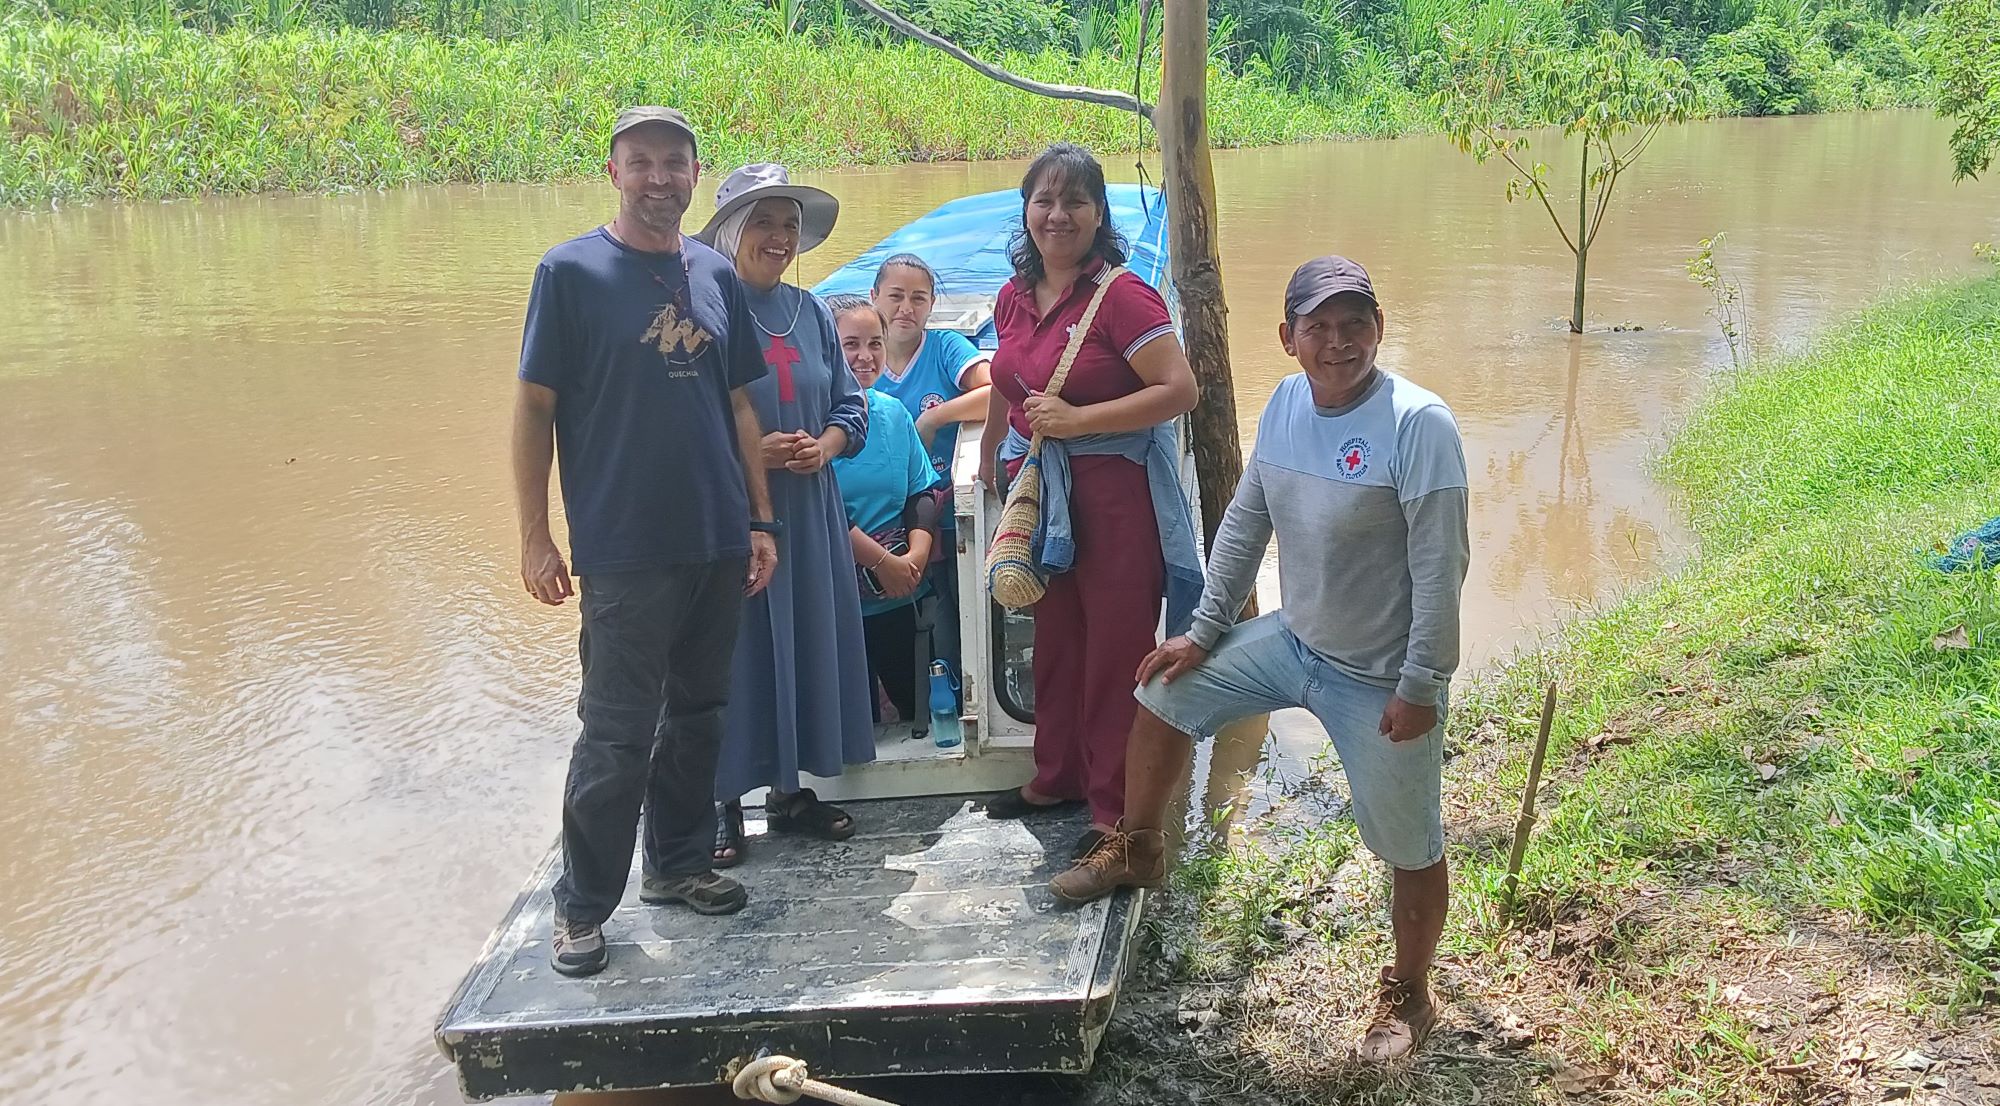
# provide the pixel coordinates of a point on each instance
(783, 1080)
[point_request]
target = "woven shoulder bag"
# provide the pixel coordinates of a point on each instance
(1011, 575)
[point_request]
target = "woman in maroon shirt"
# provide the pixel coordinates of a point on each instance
(1097, 621)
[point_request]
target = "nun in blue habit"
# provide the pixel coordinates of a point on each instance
(799, 697)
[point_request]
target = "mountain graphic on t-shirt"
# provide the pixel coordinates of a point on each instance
(671, 333)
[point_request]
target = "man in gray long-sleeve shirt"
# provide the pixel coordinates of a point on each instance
(1367, 475)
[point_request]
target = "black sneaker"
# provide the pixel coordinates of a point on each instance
(577, 949)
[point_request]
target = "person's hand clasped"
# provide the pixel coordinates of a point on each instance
(1175, 657)
(763, 562)
(1050, 417)
(808, 456)
(780, 446)
(1402, 721)
(899, 575)
(544, 573)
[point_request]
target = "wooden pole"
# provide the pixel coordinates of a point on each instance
(1182, 122)
(1527, 820)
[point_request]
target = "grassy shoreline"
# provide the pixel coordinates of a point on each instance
(1768, 863)
(147, 114)
(137, 100)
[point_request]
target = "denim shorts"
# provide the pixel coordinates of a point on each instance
(1258, 667)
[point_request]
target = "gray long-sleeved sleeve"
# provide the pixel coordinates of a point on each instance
(1233, 560)
(1440, 551)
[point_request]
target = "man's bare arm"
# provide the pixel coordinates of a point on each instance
(543, 572)
(749, 446)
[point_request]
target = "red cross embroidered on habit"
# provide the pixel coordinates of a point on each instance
(780, 356)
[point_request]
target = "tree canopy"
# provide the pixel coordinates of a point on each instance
(1965, 51)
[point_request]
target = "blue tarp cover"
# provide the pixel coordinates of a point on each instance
(966, 241)
(1973, 550)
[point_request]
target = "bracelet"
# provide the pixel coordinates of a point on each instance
(761, 526)
(880, 561)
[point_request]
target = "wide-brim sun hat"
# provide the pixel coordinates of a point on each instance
(818, 210)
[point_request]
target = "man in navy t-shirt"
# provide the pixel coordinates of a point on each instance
(634, 358)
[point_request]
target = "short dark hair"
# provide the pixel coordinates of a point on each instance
(845, 303)
(905, 261)
(1082, 173)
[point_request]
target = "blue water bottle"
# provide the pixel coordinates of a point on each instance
(945, 731)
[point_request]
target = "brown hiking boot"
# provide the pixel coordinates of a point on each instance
(1136, 859)
(1404, 1015)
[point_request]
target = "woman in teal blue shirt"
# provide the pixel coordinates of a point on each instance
(943, 380)
(893, 495)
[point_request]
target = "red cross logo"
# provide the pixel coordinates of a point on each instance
(1352, 460)
(780, 356)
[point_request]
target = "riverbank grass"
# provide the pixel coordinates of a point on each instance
(1768, 864)
(147, 113)
(163, 98)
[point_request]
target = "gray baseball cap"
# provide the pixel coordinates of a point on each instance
(1320, 280)
(653, 113)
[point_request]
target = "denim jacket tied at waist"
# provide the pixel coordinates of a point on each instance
(1154, 447)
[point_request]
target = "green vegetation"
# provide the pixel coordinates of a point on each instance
(1823, 639)
(1726, 296)
(1966, 52)
(143, 113)
(1769, 857)
(1599, 94)
(151, 98)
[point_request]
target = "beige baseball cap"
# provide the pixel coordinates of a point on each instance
(653, 113)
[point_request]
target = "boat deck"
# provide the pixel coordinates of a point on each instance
(926, 944)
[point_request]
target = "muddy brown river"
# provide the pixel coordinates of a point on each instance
(280, 734)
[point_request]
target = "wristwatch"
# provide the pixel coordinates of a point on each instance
(760, 526)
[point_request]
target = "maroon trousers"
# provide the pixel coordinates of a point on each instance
(1092, 629)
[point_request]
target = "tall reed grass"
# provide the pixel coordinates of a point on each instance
(154, 98)
(153, 112)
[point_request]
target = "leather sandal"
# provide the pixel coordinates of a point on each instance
(729, 842)
(802, 812)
